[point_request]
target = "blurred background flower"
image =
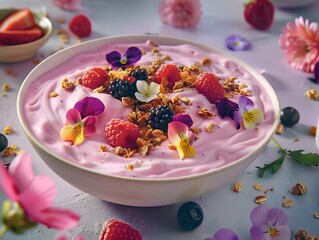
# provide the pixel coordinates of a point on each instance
(180, 13)
(300, 41)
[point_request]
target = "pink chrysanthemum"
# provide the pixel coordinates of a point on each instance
(180, 13)
(300, 41)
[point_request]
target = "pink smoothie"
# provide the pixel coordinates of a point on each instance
(46, 116)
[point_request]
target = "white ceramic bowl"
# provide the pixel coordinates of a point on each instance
(139, 191)
(21, 52)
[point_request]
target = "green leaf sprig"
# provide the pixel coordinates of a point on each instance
(309, 159)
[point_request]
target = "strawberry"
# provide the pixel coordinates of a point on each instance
(80, 25)
(14, 37)
(115, 229)
(122, 133)
(209, 85)
(19, 20)
(168, 72)
(94, 78)
(259, 13)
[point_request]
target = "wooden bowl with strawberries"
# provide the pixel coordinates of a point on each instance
(22, 33)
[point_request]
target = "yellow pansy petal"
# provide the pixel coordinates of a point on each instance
(252, 118)
(184, 149)
(72, 133)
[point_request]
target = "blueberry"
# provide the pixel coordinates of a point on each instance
(289, 116)
(3, 142)
(190, 215)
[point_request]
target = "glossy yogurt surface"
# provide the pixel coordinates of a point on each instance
(46, 116)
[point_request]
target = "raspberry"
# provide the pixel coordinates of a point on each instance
(160, 117)
(80, 25)
(115, 229)
(208, 85)
(122, 133)
(94, 78)
(169, 72)
(122, 88)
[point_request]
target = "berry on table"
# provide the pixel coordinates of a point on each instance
(259, 13)
(3, 142)
(122, 88)
(122, 133)
(190, 216)
(160, 117)
(94, 78)
(169, 72)
(289, 116)
(80, 25)
(209, 85)
(115, 229)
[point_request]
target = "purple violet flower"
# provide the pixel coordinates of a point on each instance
(226, 108)
(316, 72)
(117, 60)
(89, 106)
(236, 42)
(184, 118)
(247, 113)
(269, 223)
(223, 234)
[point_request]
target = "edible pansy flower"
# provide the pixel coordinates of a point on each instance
(247, 114)
(269, 223)
(32, 198)
(184, 118)
(224, 234)
(117, 60)
(146, 92)
(236, 42)
(81, 120)
(226, 108)
(181, 138)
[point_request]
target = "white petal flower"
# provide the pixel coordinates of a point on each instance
(146, 92)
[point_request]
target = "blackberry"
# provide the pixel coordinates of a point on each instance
(122, 88)
(139, 74)
(160, 117)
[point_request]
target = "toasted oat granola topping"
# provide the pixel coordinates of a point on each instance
(261, 199)
(299, 189)
(237, 187)
(7, 129)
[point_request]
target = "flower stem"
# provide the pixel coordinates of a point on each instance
(277, 145)
(3, 230)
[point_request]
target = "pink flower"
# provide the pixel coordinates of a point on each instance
(34, 194)
(300, 41)
(69, 5)
(180, 13)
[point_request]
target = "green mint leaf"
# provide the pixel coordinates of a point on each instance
(309, 159)
(272, 167)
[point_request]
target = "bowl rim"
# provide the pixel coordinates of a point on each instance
(161, 40)
(48, 31)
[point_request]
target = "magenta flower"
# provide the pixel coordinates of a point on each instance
(33, 197)
(223, 234)
(69, 5)
(180, 13)
(117, 60)
(269, 224)
(300, 41)
(236, 42)
(81, 120)
(247, 114)
(184, 118)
